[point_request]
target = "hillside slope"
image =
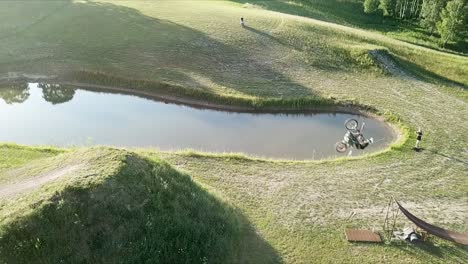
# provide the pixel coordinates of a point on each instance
(297, 210)
(200, 45)
(120, 208)
(351, 13)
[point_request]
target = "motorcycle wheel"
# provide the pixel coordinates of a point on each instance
(351, 124)
(341, 147)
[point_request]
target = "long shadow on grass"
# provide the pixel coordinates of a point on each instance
(452, 158)
(269, 36)
(442, 250)
(458, 49)
(146, 213)
(426, 75)
(348, 13)
(183, 52)
(323, 64)
(122, 41)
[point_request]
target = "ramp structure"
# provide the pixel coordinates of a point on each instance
(355, 235)
(461, 238)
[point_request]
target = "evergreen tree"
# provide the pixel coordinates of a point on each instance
(452, 20)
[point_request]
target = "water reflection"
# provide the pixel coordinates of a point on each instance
(52, 93)
(14, 93)
(46, 114)
(56, 93)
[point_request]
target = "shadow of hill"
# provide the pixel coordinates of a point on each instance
(426, 75)
(181, 52)
(350, 13)
(269, 36)
(440, 249)
(122, 41)
(449, 157)
(453, 49)
(146, 213)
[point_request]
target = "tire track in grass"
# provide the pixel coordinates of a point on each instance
(13, 189)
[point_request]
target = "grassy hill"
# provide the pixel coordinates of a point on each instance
(351, 13)
(12, 156)
(271, 211)
(162, 41)
(128, 207)
(119, 207)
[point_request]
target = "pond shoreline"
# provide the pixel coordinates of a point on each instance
(206, 104)
(194, 102)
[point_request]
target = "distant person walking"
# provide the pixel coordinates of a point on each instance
(418, 138)
(242, 22)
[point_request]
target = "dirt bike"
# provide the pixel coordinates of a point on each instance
(353, 138)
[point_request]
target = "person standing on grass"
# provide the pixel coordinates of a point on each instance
(418, 138)
(242, 22)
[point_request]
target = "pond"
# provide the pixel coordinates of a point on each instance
(43, 114)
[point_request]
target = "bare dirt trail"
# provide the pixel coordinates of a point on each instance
(12, 189)
(385, 61)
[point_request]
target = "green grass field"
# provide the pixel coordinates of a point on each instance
(141, 204)
(119, 207)
(351, 13)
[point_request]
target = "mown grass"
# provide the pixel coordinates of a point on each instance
(299, 209)
(164, 89)
(351, 13)
(128, 208)
(208, 51)
(320, 199)
(131, 210)
(12, 156)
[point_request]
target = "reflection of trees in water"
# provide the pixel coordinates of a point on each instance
(14, 93)
(56, 93)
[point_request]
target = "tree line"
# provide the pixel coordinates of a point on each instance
(448, 18)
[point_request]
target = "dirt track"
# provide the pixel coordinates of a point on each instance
(386, 62)
(12, 189)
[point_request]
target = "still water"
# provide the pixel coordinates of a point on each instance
(41, 114)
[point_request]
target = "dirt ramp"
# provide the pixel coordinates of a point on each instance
(80, 163)
(386, 62)
(15, 188)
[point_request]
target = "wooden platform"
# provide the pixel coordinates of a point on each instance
(355, 235)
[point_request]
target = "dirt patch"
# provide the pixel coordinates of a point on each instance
(12, 189)
(387, 63)
(434, 211)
